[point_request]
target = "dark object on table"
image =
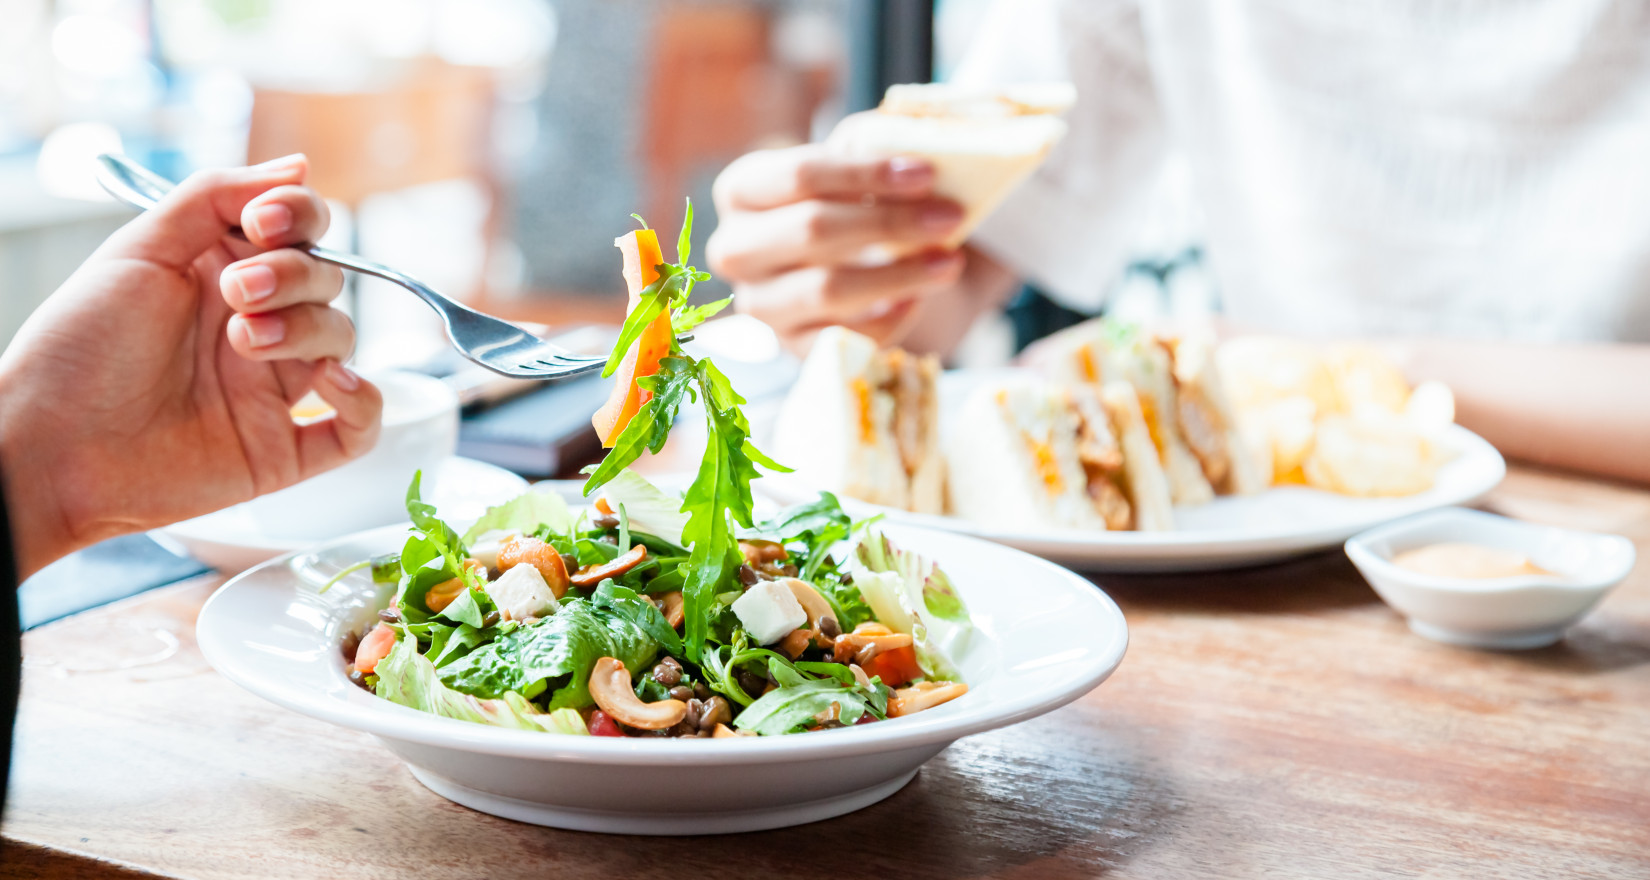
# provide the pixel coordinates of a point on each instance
(100, 574)
(541, 434)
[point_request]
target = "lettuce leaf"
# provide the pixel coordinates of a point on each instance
(410, 679)
(647, 617)
(560, 650)
(910, 594)
(524, 513)
(650, 509)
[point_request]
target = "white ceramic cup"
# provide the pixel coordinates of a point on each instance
(420, 432)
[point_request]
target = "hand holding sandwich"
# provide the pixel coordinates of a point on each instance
(796, 225)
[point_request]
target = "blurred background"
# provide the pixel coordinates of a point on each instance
(493, 148)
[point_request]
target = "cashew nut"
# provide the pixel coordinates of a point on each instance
(610, 687)
(927, 695)
(438, 597)
(441, 595)
(817, 609)
(673, 608)
(859, 647)
(758, 552)
(593, 575)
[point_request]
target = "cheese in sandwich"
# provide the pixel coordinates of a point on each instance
(981, 142)
(865, 423)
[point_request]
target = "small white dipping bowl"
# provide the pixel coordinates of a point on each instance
(1512, 613)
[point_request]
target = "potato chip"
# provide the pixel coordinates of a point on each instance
(1370, 457)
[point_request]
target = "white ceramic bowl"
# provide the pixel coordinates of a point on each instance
(420, 431)
(1044, 638)
(1530, 611)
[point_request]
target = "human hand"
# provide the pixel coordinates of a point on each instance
(795, 224)
(156, 384)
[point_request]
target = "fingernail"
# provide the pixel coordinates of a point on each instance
(343, 377)
(910, 173)
(282, 163)
(256, 283)
(940, 217)
(264, 330)
(270, 221)
(940, 262)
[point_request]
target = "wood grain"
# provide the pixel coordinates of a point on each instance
(1274, 722)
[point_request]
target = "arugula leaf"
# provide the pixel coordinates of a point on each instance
(719, 497)
(719, 500)
(823, 515)
(560, 649)
(433, 555)
(651, 424)
(684, 239)
(687, 319)
(794, 705)
(652, 302)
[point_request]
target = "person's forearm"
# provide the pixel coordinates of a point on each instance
(945, 318)
(1578, 406)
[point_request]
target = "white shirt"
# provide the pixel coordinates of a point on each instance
(1476, 168)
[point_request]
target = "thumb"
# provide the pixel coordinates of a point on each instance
(200, 212)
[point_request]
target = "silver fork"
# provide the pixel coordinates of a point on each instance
(495, 344)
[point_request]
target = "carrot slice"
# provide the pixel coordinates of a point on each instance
(641, 260)
(375, 647)
(896, 667)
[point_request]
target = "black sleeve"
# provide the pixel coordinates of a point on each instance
(11, 650)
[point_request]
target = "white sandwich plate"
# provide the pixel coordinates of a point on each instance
(1039, 645)
(1229, 532)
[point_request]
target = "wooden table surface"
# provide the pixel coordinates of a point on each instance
(1276, 722)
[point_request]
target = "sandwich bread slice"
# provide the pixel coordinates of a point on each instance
(1144, 481)
(1017, 465)
(1234, 464)
(865, 423)
(982, 143)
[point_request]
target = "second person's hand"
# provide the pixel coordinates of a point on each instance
(795, 226)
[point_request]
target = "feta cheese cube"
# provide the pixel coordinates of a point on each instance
(521, 593)
(486, 545)
(769, 611)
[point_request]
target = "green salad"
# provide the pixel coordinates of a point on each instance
(654, 613)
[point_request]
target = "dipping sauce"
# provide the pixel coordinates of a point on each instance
(1467, 561)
